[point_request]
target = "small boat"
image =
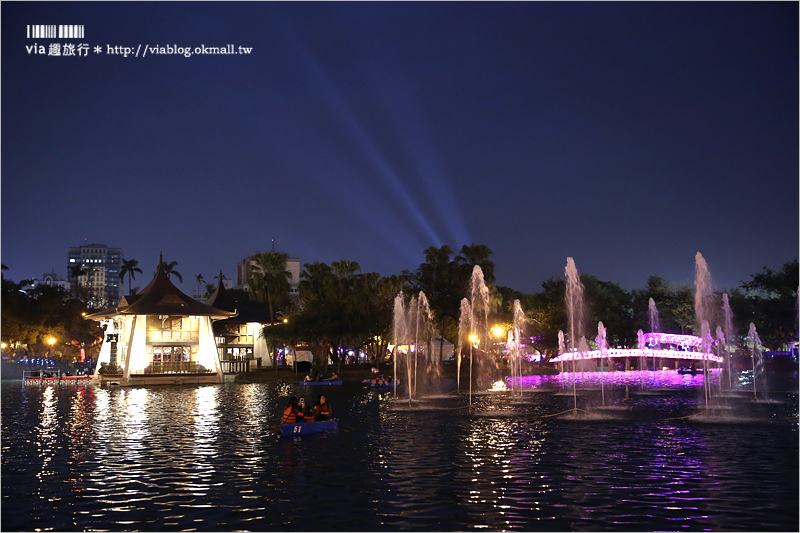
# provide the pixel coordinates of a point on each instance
(383, 385)
(339, 382)
(307, 428)
(688, 371)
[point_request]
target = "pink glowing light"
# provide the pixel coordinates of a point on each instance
(636, 353)
(671, 338)
(685, 342)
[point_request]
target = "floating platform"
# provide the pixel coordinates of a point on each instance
(54, 379)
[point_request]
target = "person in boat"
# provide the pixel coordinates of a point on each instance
(322, 411)
(308, 412)
(293, 412)
(308, 378)
(333, 377)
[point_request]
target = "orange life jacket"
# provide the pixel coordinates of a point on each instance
(289, 417)
(322, 409)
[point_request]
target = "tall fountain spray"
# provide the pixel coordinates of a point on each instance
(413, 335)
(398, 329)
(653, 312)
(478, 308)
(702, 311)
(515, 342)
(728, 324)
(703, 289)
(642, 346)
(601, 345)
(423, 343)
(706, 341)
(562, 349)
(574, 305)
(654, 327)
(722, 346)
(758, 361)
(463, 332)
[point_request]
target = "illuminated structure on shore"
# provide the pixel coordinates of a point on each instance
(159, 337)
(684, 347)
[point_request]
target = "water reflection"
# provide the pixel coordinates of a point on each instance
(46, 434)
(507, 486)
(204, 458)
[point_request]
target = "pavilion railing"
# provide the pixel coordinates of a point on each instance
(177, 367)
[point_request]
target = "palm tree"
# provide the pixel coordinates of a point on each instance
(345, 269)
(477, 254)
(210, 288)
(169, 269)
(199, 279)
(269, 280)
(438, 256)
(129, 267)
(316, 283)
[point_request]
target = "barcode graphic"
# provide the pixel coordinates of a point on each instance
(53, 31)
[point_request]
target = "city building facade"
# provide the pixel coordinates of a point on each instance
(95, 268)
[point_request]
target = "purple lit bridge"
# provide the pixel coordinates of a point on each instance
(687, 347)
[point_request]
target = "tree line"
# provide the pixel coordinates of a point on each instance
(340, 308)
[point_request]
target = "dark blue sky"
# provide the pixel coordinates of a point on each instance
(628, 136)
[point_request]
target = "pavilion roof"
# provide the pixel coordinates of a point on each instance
(161, 297)
(245, 310)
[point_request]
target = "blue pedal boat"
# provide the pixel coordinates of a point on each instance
(308, 428)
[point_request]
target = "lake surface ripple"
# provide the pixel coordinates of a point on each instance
(207, 458)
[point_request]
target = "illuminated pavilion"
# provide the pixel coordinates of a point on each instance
(160, 336)
(680, 348)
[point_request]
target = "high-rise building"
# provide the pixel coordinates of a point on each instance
(94, 269)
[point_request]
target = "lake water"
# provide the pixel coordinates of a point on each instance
(78, 458)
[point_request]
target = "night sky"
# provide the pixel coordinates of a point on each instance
(628, 136)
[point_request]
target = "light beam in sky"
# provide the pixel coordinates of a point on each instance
(402, 199)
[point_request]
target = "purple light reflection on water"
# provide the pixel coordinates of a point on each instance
(129, 459)
(669, 379)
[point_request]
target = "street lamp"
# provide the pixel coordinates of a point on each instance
(498, 332)
(50, 341)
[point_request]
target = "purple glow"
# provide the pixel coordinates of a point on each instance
(664, 378)
(635, 352)
(671, 338)
(649, 339)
